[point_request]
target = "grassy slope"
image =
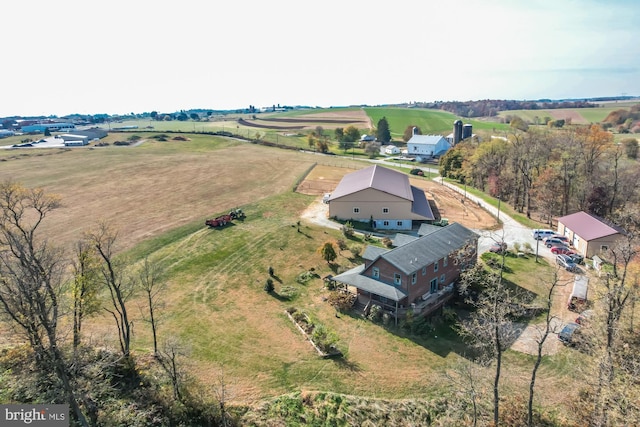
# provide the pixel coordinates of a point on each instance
(433, 122)
(590, 115)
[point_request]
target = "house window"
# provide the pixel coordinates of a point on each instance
(604, 248)
(375, 271)
(434, 285)
(442, 278)
(414, 278)
(445, 261)
(356, 210)
(435, 266)
(399, 223)
(385, 210)
(397, 279)
(385, 223)
(424, 270)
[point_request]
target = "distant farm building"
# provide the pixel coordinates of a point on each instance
(52, 127)
(425, 147)
(73, 139)
(390, 150)
(460, 132)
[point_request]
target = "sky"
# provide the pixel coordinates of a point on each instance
(119, 57)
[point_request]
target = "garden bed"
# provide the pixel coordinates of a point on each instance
(321, 339)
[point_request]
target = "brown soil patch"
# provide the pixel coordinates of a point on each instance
(328, 120)
(575, 117)
(449, 204)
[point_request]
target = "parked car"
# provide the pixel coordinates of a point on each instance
(557, 236)
(577, 258)
(567, 333)
(577, 336)
(550, 241)
(557, 250)
(540, 233)
(566, 262)
(498, 248)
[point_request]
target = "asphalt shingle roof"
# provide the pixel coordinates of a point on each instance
(354, 277)
(430, 248)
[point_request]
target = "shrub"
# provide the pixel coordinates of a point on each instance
(375, 313)
(416, 171)
(356, 250)
(268, 287)
(387, 242)
(271, 271)
(288, 292)
(516, 247)
(323, 338)
(347, 229)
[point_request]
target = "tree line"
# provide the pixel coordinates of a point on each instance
(551, 172)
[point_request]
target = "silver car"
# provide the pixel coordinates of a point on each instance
(566, 262)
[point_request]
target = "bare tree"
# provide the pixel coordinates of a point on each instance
(464, 377)
(152, 287)
(490, 327)
(115, 279)
(31, 279)
(223, 395)
(549, 326)
(617, 288)
(172, 351)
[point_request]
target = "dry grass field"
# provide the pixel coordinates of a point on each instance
(326, 119)
(215, 302)
(147, 190)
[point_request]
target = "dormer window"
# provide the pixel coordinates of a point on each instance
(375, 272)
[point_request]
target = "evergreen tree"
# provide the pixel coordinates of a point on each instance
(382, 133)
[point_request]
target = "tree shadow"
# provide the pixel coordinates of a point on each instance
(348, 365)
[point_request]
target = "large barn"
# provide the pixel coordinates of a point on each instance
(381, 196)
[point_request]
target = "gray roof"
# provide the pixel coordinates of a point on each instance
(430, 248)
(425, 139)
(402, 239)
(377, 177)
(427, 229)
(372, 252)
(354, 277)
(420, 204)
